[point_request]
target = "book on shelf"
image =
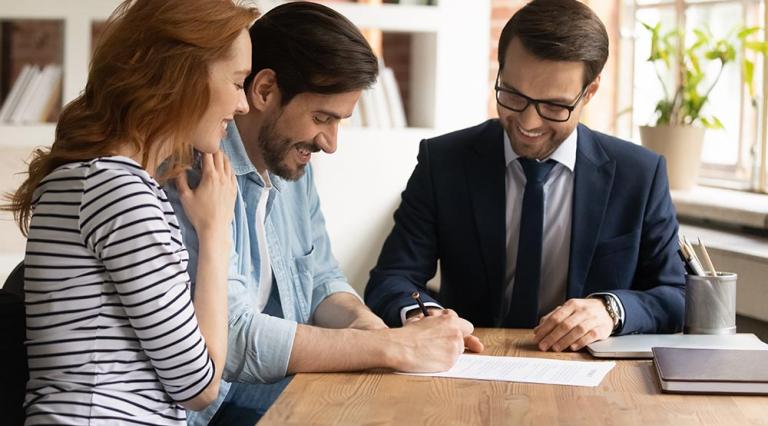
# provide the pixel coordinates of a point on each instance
(394, 100)
(368, 108)
(416, 2)
(17, 115)
(44, 95)
(37, 96)
(382, 109)
(381, 105)
(50, 107)
(712, 371)
(14, 95)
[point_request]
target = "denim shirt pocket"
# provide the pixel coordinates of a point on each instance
(301, 272)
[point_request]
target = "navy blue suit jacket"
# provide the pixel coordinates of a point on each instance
(623, 237)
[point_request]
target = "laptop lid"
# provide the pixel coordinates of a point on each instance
(639, 345)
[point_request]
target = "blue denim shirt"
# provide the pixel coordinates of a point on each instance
(304, 270)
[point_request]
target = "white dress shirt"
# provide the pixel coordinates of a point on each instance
(556, 235)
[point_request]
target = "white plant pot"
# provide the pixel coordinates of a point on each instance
(681, 146)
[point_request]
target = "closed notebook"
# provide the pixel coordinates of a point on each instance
(723, 371)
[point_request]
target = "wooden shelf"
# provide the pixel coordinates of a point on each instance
(57, 9)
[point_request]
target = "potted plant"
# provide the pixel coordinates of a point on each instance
(678, 133)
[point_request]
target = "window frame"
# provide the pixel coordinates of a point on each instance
(742, 174)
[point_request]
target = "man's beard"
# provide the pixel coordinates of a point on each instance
(275, 149)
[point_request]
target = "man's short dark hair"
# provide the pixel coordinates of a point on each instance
(559, 30)
(311, 48)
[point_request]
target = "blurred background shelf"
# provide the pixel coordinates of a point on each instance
(361, 183)
(30, 136)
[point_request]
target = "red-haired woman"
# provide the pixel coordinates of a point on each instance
(112, 333)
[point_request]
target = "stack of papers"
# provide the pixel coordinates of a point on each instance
(527, 370)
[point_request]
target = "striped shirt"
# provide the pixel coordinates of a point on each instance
(112, 336)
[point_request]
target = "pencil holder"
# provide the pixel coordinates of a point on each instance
(710, 304)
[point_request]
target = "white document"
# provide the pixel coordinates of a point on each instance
(528, 370)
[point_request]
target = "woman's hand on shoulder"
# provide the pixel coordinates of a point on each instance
(210, 206)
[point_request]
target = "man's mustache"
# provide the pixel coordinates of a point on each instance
(308, 146)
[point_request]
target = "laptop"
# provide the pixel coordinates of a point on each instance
(639, 345)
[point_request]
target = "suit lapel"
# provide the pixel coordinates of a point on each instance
(593, 180)
(485, 177)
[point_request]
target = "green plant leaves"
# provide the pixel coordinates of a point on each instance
(713, 123)
(748, 71)
(746, 32)
(684, 105)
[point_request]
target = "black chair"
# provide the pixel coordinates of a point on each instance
(13, 355)
(15, 282)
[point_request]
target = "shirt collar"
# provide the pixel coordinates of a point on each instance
(233, 146)
(565, 154)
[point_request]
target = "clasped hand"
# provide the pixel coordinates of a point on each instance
(573, 325)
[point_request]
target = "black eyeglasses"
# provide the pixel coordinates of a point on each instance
(551, 111)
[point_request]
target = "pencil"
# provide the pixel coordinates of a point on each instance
(694, 257)
(417, 297)
(707, 260)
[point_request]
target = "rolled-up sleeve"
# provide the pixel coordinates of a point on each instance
(259, 344)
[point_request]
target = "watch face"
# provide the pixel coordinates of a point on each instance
(613, 312)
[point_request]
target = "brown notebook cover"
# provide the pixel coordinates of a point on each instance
(727, 371)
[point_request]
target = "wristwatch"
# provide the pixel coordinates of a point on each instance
(613, 309)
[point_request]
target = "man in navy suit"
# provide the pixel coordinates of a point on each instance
(536, 220)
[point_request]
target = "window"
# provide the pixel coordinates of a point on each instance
(731, 156)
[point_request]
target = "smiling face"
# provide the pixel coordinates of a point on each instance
(289, 134)
(559, 82)
(225, 82)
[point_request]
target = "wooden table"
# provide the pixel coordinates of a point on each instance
(629, 395)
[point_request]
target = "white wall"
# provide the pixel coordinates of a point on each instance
(359, 187)
(360, 184)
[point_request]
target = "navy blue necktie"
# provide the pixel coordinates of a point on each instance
(524, 309)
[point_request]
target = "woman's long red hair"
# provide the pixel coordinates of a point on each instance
(148, 83)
